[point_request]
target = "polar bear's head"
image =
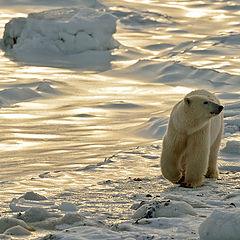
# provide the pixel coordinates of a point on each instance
(201, 107)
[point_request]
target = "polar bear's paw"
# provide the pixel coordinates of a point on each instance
(191, 183)
(181, 180)
(212, 174)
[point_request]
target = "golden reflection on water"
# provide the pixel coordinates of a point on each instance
(141, 1)
(181, 90)
(161, 37)
(18, 116)
(196, 13)
(17, 145)
(34, 136)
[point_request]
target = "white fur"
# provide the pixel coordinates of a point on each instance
(191, 142)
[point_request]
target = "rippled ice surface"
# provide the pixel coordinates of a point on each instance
(66, 128)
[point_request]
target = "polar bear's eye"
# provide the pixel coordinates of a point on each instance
(205, 102)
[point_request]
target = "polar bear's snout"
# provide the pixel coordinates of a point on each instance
(217, 109)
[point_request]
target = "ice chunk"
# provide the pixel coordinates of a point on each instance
(33, 196)
(61, 32)
(8, 222)
(222, 225)
(67, 207)
(28, 200)
(17, 231)
(155, 208)
(71, 218)
(35, 214)
(13, 30)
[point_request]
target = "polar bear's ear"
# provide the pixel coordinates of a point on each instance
(187, 101)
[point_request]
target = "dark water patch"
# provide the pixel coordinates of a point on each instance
(84, 115)
(206, 52)
(119, 105)
(233, 8)
(160, 46)
(229, 95)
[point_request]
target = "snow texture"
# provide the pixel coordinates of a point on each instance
(222, 225)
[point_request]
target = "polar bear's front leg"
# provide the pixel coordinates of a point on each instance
(212, 171)
(197, 155)
(172, 151)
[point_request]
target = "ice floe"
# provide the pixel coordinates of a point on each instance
(77, 36)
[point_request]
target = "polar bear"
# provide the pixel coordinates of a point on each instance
(192, 140)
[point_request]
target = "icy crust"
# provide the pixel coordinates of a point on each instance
(66, 37)
(66, 31)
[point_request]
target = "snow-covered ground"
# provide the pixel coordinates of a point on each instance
(86, 89)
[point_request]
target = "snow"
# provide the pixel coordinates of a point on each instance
(89, 233)
(221, 225)
(17, 231)
(33, 196)
(36, 214)
(169, 208)
(7, 222)
(86, 90)
(67, 207)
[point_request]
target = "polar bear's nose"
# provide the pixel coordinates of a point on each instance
(217, 110)
(220, 108)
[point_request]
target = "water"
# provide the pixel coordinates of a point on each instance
(96, 114)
